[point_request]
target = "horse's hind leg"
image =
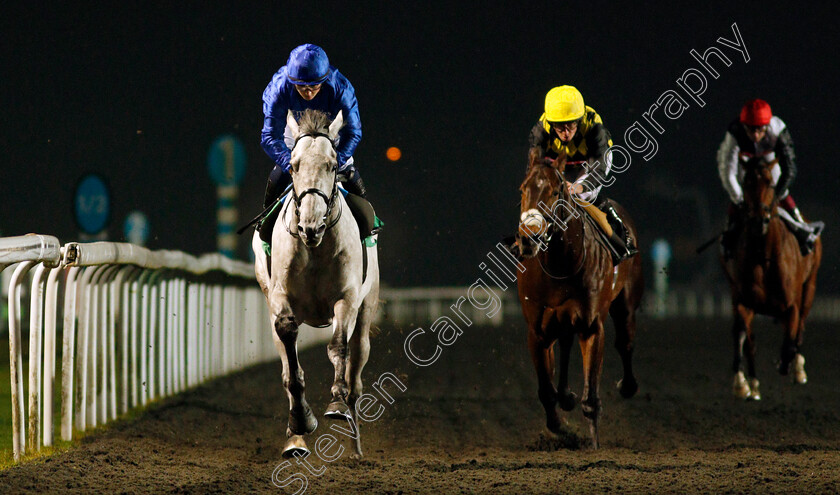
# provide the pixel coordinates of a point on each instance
(301, 418)
(359, 352)
(592, 349)
(624, 318)
(742, 335)
(542, 354)
(790, 344)
(808, 290)
(565, 396)
(344, 320)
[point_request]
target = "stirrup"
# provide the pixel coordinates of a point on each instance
(807, 237)
(629, 250)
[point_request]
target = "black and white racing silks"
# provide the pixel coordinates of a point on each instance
(737, 148)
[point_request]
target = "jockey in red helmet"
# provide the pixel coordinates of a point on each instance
(757, 132)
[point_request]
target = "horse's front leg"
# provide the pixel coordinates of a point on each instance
(344, 320)
(592, 349)
(301, 418)
(542, 355)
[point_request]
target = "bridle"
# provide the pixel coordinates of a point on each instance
(768, 211)
(551, 229)
(329, 200)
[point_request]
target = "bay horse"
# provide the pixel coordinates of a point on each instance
(768, 275)
(316, 277)
(568, 287)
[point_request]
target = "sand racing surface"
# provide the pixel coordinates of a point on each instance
(471, 423)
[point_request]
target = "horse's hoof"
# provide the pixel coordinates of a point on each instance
(627, 388)
(550, 433)
(555, 429)
(567, 400)
(784, 369)
(338, 410)
(754, 393)
(295, 446)
(740, 387)
(799, 375)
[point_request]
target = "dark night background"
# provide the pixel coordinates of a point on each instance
(137, 93)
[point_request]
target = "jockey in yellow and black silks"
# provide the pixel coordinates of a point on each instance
(569, 125)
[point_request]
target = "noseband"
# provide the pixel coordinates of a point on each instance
(329, 200)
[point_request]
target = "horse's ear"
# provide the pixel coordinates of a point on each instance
(292, 124)
(534, 155)
(560, 161)
(336, 124)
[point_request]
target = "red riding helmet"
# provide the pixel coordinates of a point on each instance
(756, 113)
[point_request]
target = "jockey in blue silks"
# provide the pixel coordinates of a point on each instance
(308, 81)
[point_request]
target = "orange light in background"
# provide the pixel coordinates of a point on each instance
(393, 153)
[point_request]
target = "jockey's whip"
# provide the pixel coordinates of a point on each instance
(265, 212)
(256, 219)
(708, 243)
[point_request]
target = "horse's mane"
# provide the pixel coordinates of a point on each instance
(313, 121)
(536, 166)
(533, 170)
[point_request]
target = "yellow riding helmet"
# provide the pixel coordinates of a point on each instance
(564, 104)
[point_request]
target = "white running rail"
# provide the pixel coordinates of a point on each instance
(138, 325)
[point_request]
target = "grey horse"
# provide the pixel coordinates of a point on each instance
(316, 277)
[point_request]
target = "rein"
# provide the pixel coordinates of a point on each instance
(548, 239)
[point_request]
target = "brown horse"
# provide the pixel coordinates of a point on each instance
(568, 286)
(768, 275)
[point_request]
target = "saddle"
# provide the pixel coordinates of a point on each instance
(602, 238)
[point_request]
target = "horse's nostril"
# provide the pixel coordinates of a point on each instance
(322, 228)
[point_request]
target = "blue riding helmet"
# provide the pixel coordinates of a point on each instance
(308, 65)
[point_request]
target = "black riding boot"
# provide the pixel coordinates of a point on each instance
(621, 239)
(277, 183)
(355, 185)
(807, 234)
